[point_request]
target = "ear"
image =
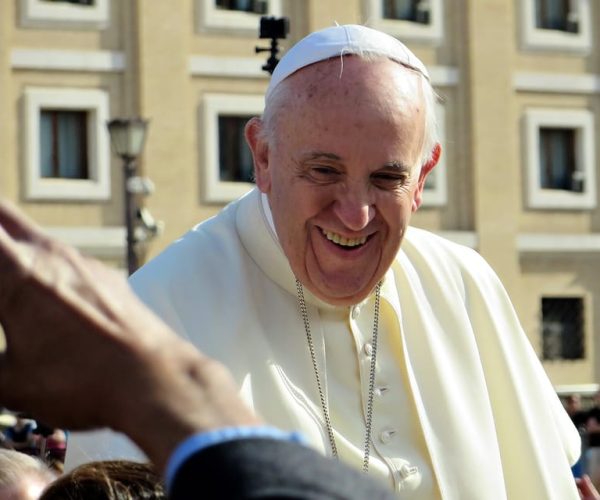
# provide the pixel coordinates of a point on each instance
(425, 169)
(256, 139)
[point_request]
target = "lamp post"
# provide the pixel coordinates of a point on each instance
(127, 136)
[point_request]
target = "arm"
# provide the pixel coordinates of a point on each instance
(78, 320)
(72, 317)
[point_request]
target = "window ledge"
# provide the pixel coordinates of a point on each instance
(558, 243)
(465, 238)
(107, 242)
(583, 389)
(68, 60)
(40, 14)
(563, 83)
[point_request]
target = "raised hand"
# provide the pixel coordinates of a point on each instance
(82, 351)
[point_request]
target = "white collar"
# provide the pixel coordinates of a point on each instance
(268, 214)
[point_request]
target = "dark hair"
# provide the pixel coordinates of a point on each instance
(108, 480)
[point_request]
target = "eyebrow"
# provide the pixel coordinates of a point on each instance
(396, 165)
(318, 155)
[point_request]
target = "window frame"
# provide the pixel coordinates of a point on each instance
(432, 32)
(41, 14)
(582, 121)
(96, 103)
(534, 38)
(214, 189)
(209, 17)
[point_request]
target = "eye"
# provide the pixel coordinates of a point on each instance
(389, 180)
(323, 170)
(323, 173)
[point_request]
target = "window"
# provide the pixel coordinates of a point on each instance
(241, 16)
(562, 328)
(78, 2)
(228, 167)
(256, 6)
(69, 14)
(235, 158)
(63, 144)
(555, 15)
(419, 20)
(557, 160)
(66, 147)
(416, 11)
(560, 159)
(556, 25)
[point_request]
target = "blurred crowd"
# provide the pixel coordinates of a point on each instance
(586, 417)
(33, 438)
(31, 468)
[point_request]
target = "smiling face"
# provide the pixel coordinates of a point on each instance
(340, 166)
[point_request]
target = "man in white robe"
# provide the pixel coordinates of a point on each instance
(416, 348)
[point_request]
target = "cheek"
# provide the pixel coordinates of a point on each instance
(396, 215)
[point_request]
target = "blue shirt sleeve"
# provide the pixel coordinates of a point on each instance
(202, 440)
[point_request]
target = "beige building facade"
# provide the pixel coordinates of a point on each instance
(519, 86)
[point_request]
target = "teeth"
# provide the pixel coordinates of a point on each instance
(340, 240)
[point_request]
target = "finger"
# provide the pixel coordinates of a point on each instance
(16, 262)
(16, 224)
(15, 259)
(586, 487)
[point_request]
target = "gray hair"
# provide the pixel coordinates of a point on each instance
(16, 467)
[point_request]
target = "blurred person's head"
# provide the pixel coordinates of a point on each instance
(108, 480)
(22, 477)
(573, 403)
(56, 447)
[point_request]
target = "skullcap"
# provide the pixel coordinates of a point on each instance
(341, 40)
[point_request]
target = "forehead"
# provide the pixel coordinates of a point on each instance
(372, 77)
(350, 89)
(351, 86)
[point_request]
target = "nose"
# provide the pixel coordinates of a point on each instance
(354, 207)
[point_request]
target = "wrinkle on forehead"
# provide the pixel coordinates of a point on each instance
(380, 84)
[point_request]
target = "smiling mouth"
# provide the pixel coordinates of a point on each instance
(343, 242)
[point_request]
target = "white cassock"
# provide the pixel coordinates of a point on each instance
(462, 407)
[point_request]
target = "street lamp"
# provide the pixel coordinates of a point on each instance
(127, 137)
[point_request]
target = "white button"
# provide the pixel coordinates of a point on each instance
(355, 312)
(380, 391)
(368, 348)
(407, 471)
(387, 435)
